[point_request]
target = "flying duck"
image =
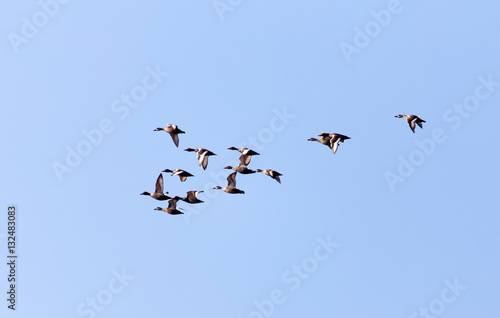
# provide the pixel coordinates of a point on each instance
(246, 154)
(172, 207)
(231, 185)
(178, 172)
(158, 194)
(273, 174)
(242, 167)
(412, 120)
(174, 132)
(203, 155)
(192, 197)
(330, 140)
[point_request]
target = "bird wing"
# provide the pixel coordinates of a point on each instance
(343, 137)
(203, 158)
(192, 194)
(245, 160)
(419, 123)
(177, 130)
(172, 203)
(231, 180)
(334, 144)
(159, 184)
(275, 173)
(175, 138)
(181, 173)
(412, 124)
(248, 151)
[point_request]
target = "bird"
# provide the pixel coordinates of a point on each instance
(245, 151)
(246, 154)
(192, 197)
(174, 132)
(203, 155)
(330, 140)
(178, 172)
(231, 185)
(158, 194)
(273, 174)
(172, 207)
(412, 120)
(241, 169)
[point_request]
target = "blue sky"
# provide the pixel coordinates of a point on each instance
(395, 224)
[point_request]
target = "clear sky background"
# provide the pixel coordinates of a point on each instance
(416, 232)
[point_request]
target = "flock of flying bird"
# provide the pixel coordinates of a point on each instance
(203, 155)
(330, 140)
